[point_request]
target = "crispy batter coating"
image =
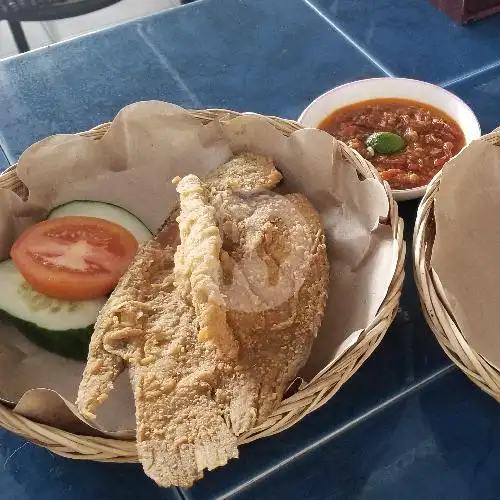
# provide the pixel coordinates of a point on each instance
(264, 273)
(245, 172)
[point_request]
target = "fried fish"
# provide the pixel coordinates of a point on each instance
(214, 318)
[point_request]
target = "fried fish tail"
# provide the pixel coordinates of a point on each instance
(180, 431)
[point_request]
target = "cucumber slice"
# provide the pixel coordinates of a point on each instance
(60, 326)
(106, 211)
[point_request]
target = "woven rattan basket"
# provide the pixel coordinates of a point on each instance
(436, 312)
(293, 408)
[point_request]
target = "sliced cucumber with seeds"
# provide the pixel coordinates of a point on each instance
(105, 211)
(385, 142)
(60, 326)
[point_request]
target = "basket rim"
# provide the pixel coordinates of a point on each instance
(434, 304)
(319, 390)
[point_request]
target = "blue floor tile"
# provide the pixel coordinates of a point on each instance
(412, 38)
(28, 471)
(74, 86)
(253, 55)
(441, 442)
(482, 94)
(271, 57)
(408, 354)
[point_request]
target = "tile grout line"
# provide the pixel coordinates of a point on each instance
(47, 31)
(11, 160)
(344, 35)
(7, 159)
(169, 67)
(353, 423)
(384, 69)
(182, 495)
(470, 74)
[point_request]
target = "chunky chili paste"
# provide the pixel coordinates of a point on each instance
(429, 138)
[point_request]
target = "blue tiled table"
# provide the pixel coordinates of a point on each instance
(408, 425)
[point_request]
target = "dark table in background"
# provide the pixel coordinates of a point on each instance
(408, 425)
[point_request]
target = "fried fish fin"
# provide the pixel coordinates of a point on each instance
(197, 261)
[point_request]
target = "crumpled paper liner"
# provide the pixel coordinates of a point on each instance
(465, 256)
(132, 166)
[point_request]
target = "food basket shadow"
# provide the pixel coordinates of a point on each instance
(438, 315)
(294, 407)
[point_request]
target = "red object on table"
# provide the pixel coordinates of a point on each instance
(465, 11)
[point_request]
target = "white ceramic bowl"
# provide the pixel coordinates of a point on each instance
(374, 88)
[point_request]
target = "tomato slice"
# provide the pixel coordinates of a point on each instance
(74, 258)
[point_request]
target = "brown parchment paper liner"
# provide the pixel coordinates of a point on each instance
(465, 256)
(147, 145)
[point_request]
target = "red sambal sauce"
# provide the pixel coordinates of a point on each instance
(430, 137)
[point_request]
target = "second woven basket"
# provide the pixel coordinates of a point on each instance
(437, 314)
